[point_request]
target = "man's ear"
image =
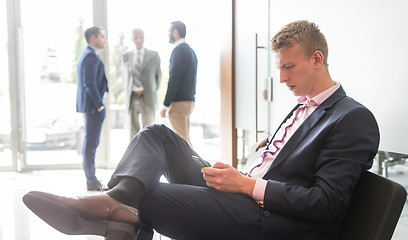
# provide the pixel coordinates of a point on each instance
(176, 33)
(318, 59)
(92, 38)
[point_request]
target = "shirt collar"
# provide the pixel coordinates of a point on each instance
(180, 41)
(96, 51)
(321, 97)
(142, 50)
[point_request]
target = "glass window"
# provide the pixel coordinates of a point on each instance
(52, 41)
(5, 127)
(202, 35)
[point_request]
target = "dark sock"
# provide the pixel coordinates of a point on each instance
(128, 191)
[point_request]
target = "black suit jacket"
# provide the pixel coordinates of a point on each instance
(182, 75)
(310, 183)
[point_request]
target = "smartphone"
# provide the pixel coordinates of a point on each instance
(200, 161)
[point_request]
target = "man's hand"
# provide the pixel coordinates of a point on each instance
(261, 143)
(225, 178)
(163, 113)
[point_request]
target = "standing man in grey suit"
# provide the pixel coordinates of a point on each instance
(181, 89)
(142, 73)
(91, 88)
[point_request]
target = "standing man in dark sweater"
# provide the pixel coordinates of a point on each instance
(180, 97)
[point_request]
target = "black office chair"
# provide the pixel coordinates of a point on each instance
(375, 209)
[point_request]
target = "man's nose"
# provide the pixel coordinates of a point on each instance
(283, 77)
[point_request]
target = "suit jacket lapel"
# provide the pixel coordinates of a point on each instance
(306, 126)
(299, 135)
(129, 62)
(146, 58)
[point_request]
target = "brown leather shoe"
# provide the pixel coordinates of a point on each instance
(92, 215)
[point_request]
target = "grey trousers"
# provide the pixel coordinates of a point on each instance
(138, 109)
(157, 151)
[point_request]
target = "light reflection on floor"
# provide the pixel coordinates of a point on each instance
(19, 223)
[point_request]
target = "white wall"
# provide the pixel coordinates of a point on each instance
(368, 52)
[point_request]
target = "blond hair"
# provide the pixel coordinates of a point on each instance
(306, 34)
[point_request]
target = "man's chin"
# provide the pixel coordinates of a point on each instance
(295, 93)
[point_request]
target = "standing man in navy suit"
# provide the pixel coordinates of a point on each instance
(91, 88)
(301, 187)
(180, 97)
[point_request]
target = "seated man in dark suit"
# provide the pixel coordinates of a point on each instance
(299, 189)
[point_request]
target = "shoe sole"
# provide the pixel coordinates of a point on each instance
(69, 221)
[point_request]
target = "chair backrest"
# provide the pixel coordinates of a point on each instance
(375, 209)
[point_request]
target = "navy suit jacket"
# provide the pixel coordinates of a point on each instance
(310, 183)
(182, 75)
(91, 82)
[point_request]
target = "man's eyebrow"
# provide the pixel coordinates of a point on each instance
(283, 65)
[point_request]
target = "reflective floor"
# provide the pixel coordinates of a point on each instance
(18, 223)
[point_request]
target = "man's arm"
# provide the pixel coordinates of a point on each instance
(340, 161)
(262, 143)
(90, 72)
(175, 75)
(158, 71)
(327, 168)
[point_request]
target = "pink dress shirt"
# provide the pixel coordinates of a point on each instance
(259, 167)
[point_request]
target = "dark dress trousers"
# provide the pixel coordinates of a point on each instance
(91, 87)
(309, 184)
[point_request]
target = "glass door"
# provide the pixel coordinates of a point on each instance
(52, 33)
(253, 85)
(203, 34)
(5, 119)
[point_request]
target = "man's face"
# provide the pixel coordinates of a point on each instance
(297, 71)
(171, 37)
(99, 40)
(138, 38)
